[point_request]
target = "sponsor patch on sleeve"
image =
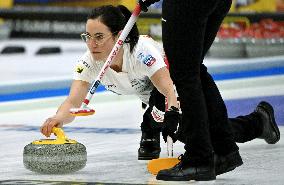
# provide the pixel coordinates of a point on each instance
(148, 59)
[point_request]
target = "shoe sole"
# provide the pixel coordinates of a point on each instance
(148, 157)
(187, 178)
(269, 110)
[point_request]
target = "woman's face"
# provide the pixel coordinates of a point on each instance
(100, 40)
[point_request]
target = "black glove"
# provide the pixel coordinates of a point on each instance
(146, 3)
(171, 120)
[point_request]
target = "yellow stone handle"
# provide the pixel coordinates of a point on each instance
(61, 138)
(59, 133)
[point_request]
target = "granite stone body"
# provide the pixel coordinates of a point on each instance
(55, 158)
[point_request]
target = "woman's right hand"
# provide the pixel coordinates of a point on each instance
(78, 92)
(46, 128)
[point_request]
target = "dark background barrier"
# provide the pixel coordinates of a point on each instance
(69, 22)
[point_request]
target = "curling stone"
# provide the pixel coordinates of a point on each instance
(55, 156)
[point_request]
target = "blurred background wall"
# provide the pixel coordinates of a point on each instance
(249, 23)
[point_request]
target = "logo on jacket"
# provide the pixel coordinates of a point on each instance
(149, 60)
(79, 69)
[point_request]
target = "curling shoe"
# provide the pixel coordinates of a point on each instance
(184, 171)
(149, 146)
(270, 133)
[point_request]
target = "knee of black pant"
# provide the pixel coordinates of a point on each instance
(148, 124)
(151, 128)
(157, 99)
(145, 125)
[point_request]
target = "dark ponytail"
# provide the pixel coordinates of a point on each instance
(115, 18)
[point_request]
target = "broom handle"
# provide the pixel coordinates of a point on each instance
(170, 148)
(132, 20)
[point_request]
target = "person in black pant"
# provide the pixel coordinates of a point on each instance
(189, 29)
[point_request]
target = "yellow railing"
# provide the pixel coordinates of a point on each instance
(254, 6)
(91, 3)
(6, 3)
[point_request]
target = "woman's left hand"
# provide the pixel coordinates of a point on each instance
(170, 124)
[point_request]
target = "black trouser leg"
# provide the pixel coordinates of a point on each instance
(148, 124)
(221, 132)
(240, 129)
(150, 139)
(185, 47)
(183, 39)
(215, 19)
(246, 128)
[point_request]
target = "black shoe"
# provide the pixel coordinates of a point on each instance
(270, 133)
(184, 171)
(149, 146)
(224, 164)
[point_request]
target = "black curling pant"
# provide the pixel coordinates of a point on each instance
(244, 128)
(189, 28)
(149, 125)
